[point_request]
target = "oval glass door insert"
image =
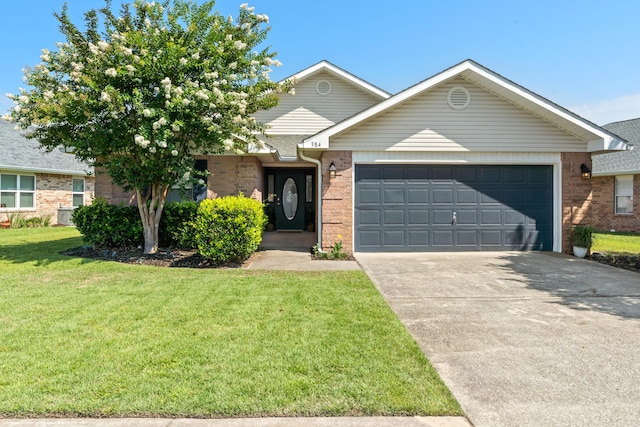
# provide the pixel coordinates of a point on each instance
(290, 198)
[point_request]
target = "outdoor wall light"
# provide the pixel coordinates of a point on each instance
(332, 170)
(585, 172)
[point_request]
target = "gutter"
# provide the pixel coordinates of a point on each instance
(319, 192)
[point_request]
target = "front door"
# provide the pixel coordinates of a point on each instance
(290, 199)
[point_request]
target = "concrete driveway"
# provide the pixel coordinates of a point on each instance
(526, 339)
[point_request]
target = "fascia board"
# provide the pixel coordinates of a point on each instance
(44, 170)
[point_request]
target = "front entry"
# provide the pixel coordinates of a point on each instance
(290, 201)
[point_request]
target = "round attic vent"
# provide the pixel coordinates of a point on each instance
(323, 87)
(458, 98)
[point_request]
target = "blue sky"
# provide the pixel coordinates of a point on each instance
(583, 55)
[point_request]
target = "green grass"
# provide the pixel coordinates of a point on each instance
(617, 243)
(93, 338)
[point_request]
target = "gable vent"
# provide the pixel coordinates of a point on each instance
(458, 98)
(323, 87)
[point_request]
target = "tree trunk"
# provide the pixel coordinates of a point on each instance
(150, 207)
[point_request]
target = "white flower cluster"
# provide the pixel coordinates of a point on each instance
(141, 141)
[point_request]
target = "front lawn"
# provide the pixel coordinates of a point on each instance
(96, 338)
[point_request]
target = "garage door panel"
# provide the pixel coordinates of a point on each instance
(441, 217)
(466, 196)
(411, 207)
(369, 196)
(393, 238)
(468, 238)
(418, 217)
(490, 238)
(466, 217)
(442, 196)
(442, 238)
(394, 196)
(417, 238)
(491, 217)
(394, 175)
(393, 217)
(370, 239)
(368, 217)
(417, 196)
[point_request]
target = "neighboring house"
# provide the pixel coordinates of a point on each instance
(34, 183)
(464, 160)
(616, 182)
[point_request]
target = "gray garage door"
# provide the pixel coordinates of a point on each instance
(453, 208)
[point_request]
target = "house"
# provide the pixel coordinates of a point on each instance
(616, 182)
(464, 160)
(36, 184)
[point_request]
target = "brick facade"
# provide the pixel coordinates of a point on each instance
(337, 200)
(53, 192)
(229, 175)
(604, 216)
(577, 195)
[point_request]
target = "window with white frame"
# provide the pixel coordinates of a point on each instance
(17, 191)
(624, 194)
(78, 192)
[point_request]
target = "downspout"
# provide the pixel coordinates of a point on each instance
(318, 163)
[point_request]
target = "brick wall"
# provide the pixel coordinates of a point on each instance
(337, 203)
(604, 216)
(107, 189)
(231, 175)
(53, 192)
(577, 195)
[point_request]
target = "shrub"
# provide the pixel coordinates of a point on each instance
(176, 225)
(108, 226)
(229, 229)
(583, 236)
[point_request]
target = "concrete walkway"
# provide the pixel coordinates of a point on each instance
(522, 339)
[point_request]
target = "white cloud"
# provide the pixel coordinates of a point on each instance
(610, 110)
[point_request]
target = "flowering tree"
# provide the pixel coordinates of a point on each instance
(140, 93)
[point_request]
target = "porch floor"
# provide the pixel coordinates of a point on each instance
(299, 241)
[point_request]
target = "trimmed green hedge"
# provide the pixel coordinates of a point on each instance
(108, 226)
(229, 229)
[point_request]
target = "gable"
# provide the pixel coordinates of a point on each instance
(321, 100)
(427, 122)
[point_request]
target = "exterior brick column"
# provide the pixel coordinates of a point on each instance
(337, 202)
(577, 195)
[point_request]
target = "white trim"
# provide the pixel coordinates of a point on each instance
(472, 158)
(44, 170)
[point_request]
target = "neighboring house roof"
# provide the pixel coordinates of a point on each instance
(20, 154)
(597, 139)
(624, 162)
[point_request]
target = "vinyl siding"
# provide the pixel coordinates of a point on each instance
(427, 123)
(307, 112)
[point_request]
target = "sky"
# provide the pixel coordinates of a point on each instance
(581, 54)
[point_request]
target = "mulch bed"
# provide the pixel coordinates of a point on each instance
(626, 261)
(165, 257)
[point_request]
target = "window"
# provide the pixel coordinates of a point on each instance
(190, 191)
(78, 192)
(17, 191)
(624, 194)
